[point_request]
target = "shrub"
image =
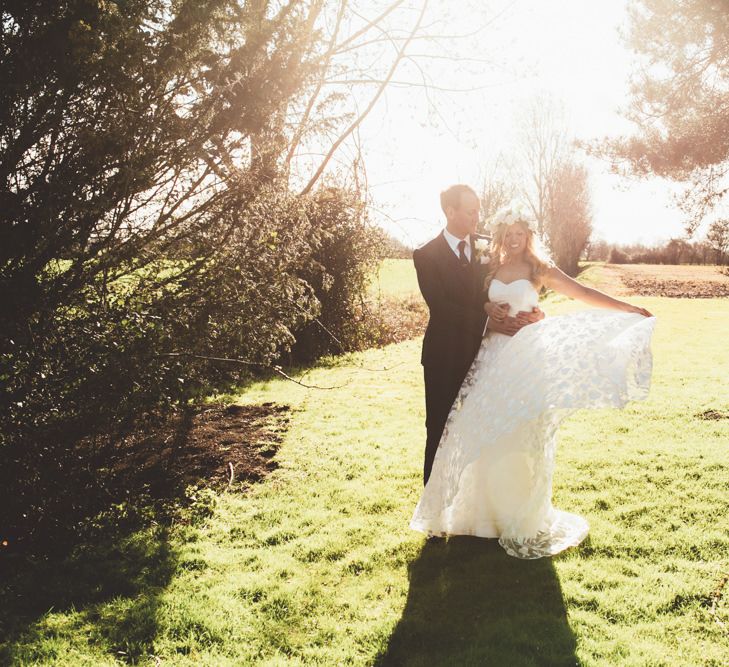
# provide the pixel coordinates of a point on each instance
(346, 249)
(618, 257)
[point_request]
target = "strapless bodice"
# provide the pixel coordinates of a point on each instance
(519, 294)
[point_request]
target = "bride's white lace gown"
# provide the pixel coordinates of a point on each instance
(492, 474)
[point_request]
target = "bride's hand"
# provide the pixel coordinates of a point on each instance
(496, 311)
(628, 308)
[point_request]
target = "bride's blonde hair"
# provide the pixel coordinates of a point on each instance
(535, 254)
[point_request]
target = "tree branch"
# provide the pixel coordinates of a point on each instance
(296, 139)
(244, 362)
(370, 106)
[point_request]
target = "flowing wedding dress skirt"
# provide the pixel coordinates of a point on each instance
(492, 473)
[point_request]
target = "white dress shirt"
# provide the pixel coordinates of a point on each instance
(453, 242)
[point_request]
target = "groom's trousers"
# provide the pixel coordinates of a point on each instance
(441, 388)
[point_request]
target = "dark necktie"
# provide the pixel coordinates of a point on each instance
(462, 253)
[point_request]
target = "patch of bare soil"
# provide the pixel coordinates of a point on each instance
(682, 281)
(713, 415)
(610, 280)
(716, 604)
(212, 446)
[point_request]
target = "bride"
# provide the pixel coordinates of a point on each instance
(492, 474)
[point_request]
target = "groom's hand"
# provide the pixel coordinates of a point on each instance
(508, 325)
(524, 317)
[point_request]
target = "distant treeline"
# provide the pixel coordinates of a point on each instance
(713, 249)
(395, 249)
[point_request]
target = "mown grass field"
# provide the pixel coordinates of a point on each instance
(396, 278)
(317, 565)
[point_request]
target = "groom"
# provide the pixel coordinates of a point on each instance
(451, 279)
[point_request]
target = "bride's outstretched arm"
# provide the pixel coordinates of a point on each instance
(560, 282)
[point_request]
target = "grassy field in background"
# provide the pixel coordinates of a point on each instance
(317, 565)
(395, 278)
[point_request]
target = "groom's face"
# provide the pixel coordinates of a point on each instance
(463, 220)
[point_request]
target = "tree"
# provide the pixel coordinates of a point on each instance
(554, 183)
(718, 239)
(150, 243)
(151, 139)
(597, 250)
(617, 256)
(568, 216)
(680, 99)
(544, 145)
(119, 132)
(496, 190)
(674, 251)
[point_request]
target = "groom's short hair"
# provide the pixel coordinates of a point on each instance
(452, 196)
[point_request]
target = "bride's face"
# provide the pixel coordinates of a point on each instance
(515, 240)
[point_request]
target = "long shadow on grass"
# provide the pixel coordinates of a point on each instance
(471, 604)
(100, 556)
(97, 563)
(109, 593)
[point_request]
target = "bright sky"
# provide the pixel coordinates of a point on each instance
(570, 50)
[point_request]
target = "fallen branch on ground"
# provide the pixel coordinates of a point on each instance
(245, 362)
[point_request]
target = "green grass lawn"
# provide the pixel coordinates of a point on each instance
(317, 565)
(396, 278)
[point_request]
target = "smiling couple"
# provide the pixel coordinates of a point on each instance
(499, 377)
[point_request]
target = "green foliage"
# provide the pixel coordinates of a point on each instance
(396, 249)
(144, 342)
(346, 251)
(145, 224)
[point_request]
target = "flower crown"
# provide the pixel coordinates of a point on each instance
(516, 211)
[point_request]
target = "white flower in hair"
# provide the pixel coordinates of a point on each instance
(515, 211)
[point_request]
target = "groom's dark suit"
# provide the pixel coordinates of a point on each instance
(455, 297)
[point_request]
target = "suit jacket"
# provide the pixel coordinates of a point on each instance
(455, 298)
